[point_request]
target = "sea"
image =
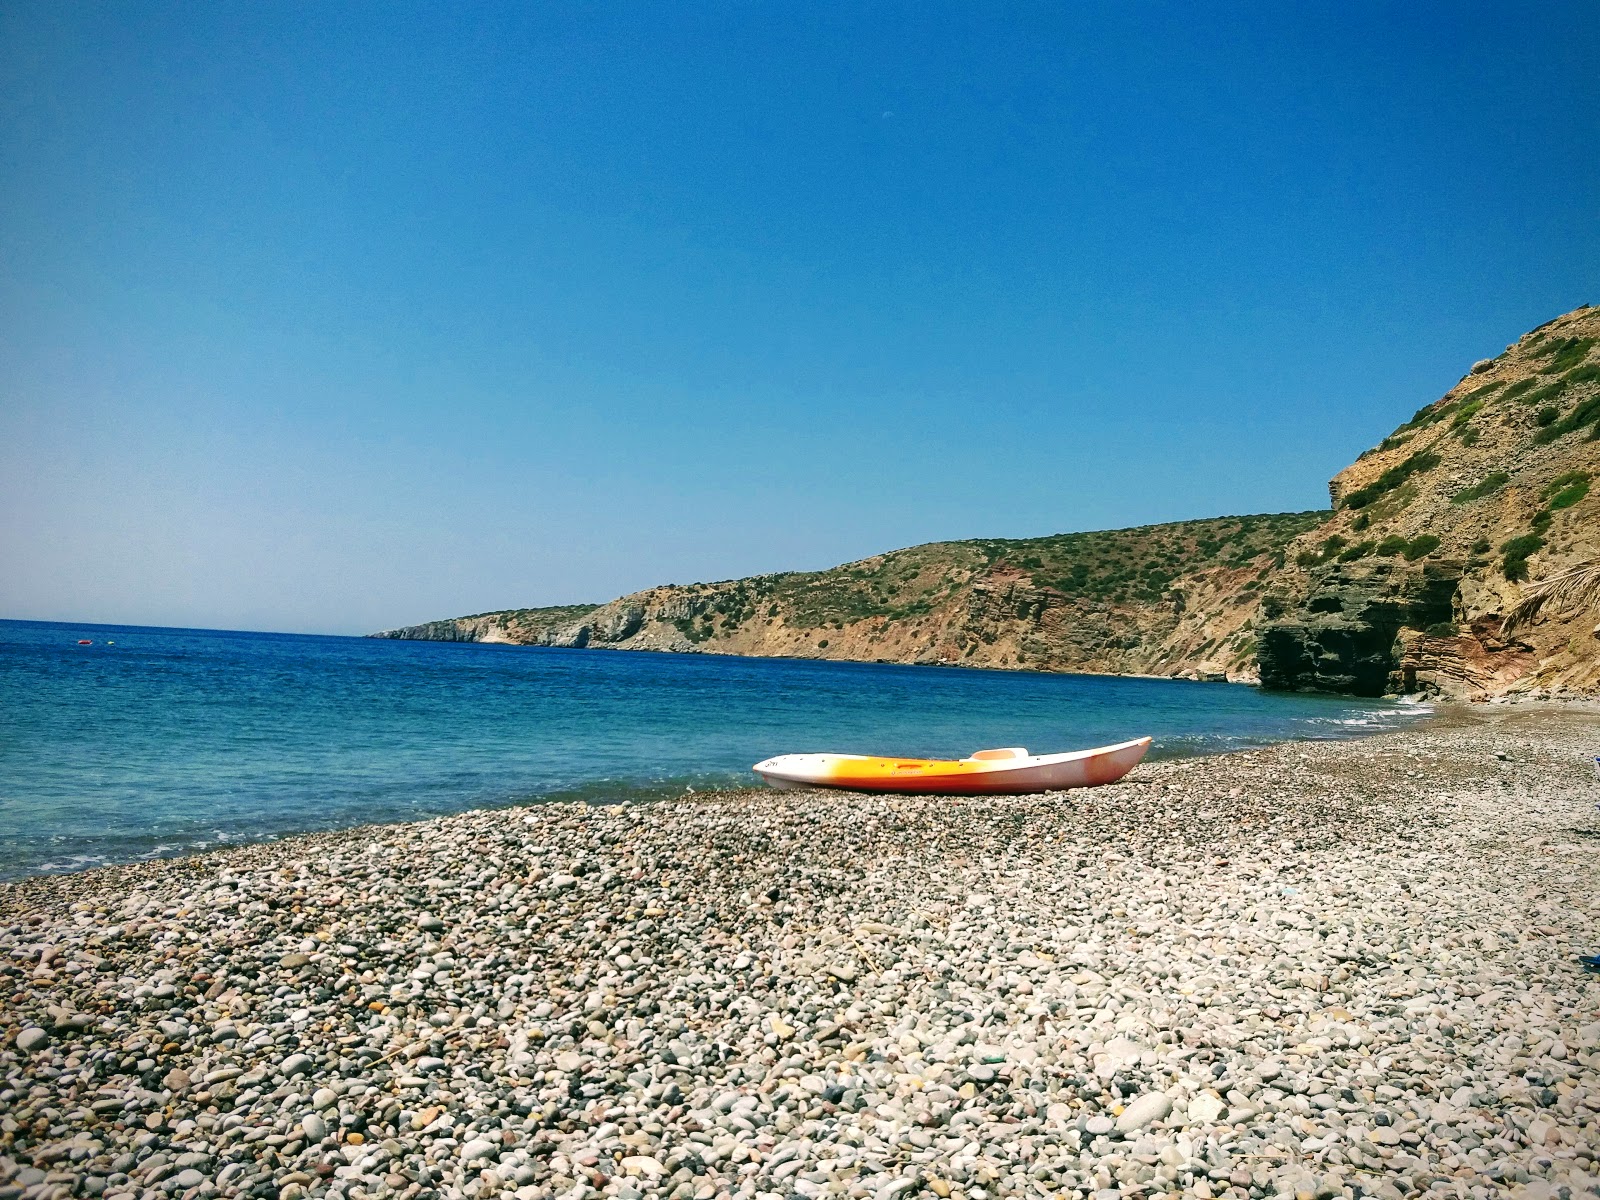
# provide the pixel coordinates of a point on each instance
(146, 742)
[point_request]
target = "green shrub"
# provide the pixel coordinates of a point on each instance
(1546, 416)
(1514, 564)
(1429, 414)
(1587, 411)
(1361, 522)
(1466, 412)
(695, 633)
(1570, 495)
(1516, 389)
(1561, 482)
(1568, 353)
(1482, 546)
(1392, 478)
(1484, 487)
(1421, 546)
(1469, 436)
(1550, 391)
(1417, 418)
(1442, 629)
(1392, 545)
(1359, 550)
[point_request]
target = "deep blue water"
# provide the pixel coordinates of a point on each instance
(171, 740)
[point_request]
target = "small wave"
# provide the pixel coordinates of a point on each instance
(77, 862)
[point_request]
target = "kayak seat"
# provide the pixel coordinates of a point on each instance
(997, 755)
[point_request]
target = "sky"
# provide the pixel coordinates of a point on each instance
(335, 317)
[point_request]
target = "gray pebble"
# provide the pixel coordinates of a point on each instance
(296, 1064)
(1148, 1108)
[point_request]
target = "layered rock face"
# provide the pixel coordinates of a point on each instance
(1342, 636)
(513, 626)
(1438, 532)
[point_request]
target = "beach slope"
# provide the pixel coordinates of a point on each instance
(1317, 969)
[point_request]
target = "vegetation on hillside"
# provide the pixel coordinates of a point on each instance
(1492, 479)
(1392, 479)
(555, 614)
(1115, 566)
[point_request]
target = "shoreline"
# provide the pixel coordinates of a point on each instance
(602, 794)
(1330, 967)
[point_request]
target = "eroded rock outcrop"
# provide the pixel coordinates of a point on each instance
(1342, 635)
(1437, 532)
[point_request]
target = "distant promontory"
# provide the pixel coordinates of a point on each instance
(1457, 560)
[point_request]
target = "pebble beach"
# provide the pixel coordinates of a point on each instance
(1314, 970)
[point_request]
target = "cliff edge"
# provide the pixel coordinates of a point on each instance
(1441, 533)
(1461, 558)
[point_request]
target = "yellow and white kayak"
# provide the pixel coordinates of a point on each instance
(1010, 771)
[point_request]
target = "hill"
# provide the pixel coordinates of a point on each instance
(1441, 531)
(1170, 599)
(1454, 560)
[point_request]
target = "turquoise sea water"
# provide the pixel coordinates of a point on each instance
(173, 740)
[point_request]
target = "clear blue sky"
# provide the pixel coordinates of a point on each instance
(331, 317)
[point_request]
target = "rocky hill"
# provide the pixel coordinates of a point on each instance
(1420, 578)
(1175, 599)
(1441, 532)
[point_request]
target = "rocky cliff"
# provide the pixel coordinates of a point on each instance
(1414, 581)
(1175, 599)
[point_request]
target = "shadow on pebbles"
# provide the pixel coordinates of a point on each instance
(1331, 969)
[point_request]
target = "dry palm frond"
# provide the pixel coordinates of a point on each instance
(1576, 589)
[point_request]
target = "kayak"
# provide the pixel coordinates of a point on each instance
(1008, 771)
